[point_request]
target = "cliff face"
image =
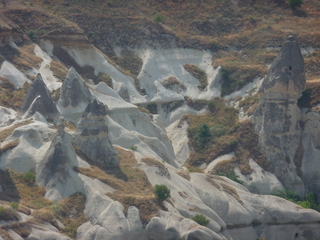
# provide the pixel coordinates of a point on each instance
(277, 117)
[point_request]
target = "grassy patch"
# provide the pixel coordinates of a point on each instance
(132, 185)
(249, 103)
(9, 130)
(198, 73)
(58, 70)
(172, 82)
(11, 97)
(16, 186)
(310, 201)
(102, 77)
(219, 132)
(26, 58)
(7, 213)
(9, 145)
(129, 61)
(236, 77)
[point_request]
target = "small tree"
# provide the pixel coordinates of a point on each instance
(162, 192)
(295, 3)
(159, 18)
(29, 178)
(14, 205)
(200, 219)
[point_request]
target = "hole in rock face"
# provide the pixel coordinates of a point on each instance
(296, 235)
(290, 68)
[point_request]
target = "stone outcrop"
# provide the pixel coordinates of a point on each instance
(38, 99)
(55, 170)
(92, 138)
(74, 91)
(278, 117)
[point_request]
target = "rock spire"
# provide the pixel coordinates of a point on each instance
(38, 99)
(92, 138)
(278, 117)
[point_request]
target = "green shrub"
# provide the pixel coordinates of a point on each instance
(229, 174)
(252, 19)
(32, 35)
(1, 211)
(162, 192)
(152, 107)
(133, 148)
(200, 219)
(202, 135)
(29, 177)
(295, 3)
(159, 18)
(287, 194)
(14, 205)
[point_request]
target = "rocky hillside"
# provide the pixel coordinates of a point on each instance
(159, 120)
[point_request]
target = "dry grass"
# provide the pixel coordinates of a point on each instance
(58, 70)
(26, 59)
(69, 211)
(226, 135)
(249, 104)
(9, 130)
(11, 97)
(9, 145)
(231, 191)
(132, 185)
(198, 73)
(7, 213)
(184, 174)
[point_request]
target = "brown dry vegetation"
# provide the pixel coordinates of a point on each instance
(10, 145)
(131, 184)
(58, 69)
(29, 196)
(227, 134)
(9, 130)
(11, 97)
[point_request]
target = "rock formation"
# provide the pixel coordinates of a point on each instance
(55, 171)
(278, 117)
(74, 91)
(92, 138)
(38, 99)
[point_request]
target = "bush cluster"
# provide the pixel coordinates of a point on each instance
(200, 219)
(162, 192)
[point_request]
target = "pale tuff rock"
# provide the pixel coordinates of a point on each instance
(277, 116)
(55, 171)
(74, 91)
(92, 137)
(38, 99)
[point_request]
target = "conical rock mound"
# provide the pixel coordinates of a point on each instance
(278, 117)
(55, 171)
(74, 91)
(91, 137)
(286, 75)
(38, 99)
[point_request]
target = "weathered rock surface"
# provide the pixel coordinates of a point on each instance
(92, 138)
(74, 91)
(277, 117)
(38, 99)
(55, 171)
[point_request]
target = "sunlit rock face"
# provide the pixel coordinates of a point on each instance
(74, 91)
(92, 138)
(278, 117)
(38, 99)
